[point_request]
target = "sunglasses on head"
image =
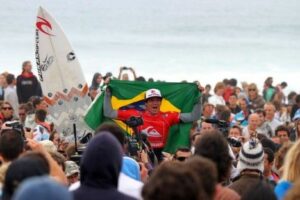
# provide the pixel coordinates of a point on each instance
(7, 108)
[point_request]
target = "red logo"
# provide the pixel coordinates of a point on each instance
(41, 24)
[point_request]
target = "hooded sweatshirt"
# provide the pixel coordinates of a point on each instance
(27, 86)
(100, 168)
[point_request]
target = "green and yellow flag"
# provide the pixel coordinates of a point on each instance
(178, 97)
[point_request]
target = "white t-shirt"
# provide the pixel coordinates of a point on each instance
(216, 100)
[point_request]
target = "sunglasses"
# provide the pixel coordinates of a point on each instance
(7, 108)
(22, 114)
(252, 89)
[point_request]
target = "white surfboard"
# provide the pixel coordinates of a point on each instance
(64, 87)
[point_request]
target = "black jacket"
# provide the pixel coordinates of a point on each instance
(99, 170)
(27, 86)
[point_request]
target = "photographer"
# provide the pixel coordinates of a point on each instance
(156, 123)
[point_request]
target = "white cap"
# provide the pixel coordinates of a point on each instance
(153, 93)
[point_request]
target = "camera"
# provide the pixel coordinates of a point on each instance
(234, 142)
(133, 122)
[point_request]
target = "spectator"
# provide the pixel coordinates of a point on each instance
(270, 117)
(255, 100)
(250, 165)
(7, 111)
(171, 175)
(206, 172)
(280, 156)
(250, 130)
(22, 113)
(182, 154)
(42, 130)
(204, 126)
(295, 106)
(294, 192)
(99, 178)
(27, 84)
(125, 76)
(291, 171)
(268, 173)
(241, 118)
(30, 165)
(232, 104)
(259, 191)
(2, 86)
(38, 104)
(295, 134)
(72, 172)
(283, 133)
(291, 98)
(217, 98)
(11, 147)
(208, 110)
(206, 93)
(263, 126)
(10, 93)
(229, 89)
(93, 92)
(97, 79)
(269, 90)
(214, 147)
(30, 190)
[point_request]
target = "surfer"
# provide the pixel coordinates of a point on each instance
(156, 123)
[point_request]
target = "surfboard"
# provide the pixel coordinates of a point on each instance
(64, 87)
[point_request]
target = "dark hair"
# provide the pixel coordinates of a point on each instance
(267, 143)
(11, 144)
(114, 129)
(206, 171)
(36, 101)
(40, 115)
(183, 149)
(237, 127)
(282, 128)
(270, 154)
(10, 78)
(283, 84)
(214, 147)
(260, 111)
(232, 82)
(260, 190)
(94, 81)
(297, 98)
(24, 64)
(30, 165)
(291, 95)
(233, 94)
(173, 180)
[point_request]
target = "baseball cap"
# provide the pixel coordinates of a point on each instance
(71, 168)
(153, 93)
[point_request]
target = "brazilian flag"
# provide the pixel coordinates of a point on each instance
(177, 97)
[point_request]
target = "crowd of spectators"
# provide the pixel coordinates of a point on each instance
(244, 146)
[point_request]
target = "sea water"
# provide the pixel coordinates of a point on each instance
(172, 40)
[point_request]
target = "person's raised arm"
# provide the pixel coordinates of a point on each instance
(120, 73)
(107, 107)
(194, 115)
(133, 72)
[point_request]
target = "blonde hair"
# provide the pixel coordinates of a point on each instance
(291, 170)
(219, 85)
(253, 85)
